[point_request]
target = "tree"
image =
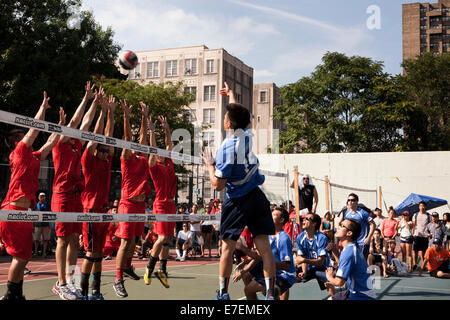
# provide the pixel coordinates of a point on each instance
(426, 88)
(340, 108)
(52, 46)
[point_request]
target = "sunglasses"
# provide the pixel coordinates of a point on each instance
(341, 225)
(309, 219)
(351, 200)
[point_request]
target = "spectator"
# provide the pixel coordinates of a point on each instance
(421, 220)
(195, 228)
(437, 260)
(215, 206)
(388, 225)
(207, 230)
(244, 247)
(378, 252)
(252, 273)
(312, 257)
(436, 229)
(148, 241)
(112, 243)
(352, 267)
(184, 242)
(327, 226)
(217, 236)
(308, 196)
(378, 218)
(41, 229)
(446, 220)
(366, 222)
(179, 224)
(292, 228)
(394, 265)
(405, 229)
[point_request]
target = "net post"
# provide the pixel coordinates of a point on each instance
(296, 195)
(327, 195)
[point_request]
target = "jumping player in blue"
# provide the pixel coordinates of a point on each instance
(236, 168)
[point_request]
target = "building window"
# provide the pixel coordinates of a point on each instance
(190, 66)
(433, 9)
(152, 69)
(423, 27)
(171, 68)
(209, 93)
(192, 90)
(209, 115)
(423, 36)
(423, 19)
(263, 96)
(422, 9)
(445, 18)
(135, 73)
(208, 139)
(209, 66)
(192, 116)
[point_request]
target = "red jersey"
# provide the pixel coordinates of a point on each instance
(165, 180)
(97, 175)
(247, 235)
(292, 228)
(25, 166)
(67, 161)
(135, 175)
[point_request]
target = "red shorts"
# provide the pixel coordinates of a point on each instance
(17, 236)
(129, 230)
(67, 202)
(94, 234)
(163, 228)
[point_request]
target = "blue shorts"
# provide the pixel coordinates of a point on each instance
(315, 273)
(252, 210)
(258, 274)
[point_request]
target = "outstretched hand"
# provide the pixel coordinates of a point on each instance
(125, 108)
(226, 91)
(144, 109)
(151, 124)
(45, 104)
(208, 157)
(62, 117)
(164, 122)
(89, 91)
(112, 103)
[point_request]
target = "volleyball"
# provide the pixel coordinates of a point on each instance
(128, 60)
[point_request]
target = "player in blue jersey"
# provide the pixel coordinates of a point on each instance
(364, 218)
(352, 266)
(281, 244)
(312, 257)
(236, 168)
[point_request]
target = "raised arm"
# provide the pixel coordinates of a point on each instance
(143, 139)
(53, 138)
(168, 135)
(78, 115)
(152, 126)
(126, 154)
(227, 92)
(109, 131)
(99, 126)
(32, 134)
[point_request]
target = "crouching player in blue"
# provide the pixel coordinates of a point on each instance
(236, 167)
(352, 266)
(281, 244)
(312, 259)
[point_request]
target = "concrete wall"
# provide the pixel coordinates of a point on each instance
(398, 174)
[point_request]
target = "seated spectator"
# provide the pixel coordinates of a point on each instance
(292, 228)
(352, 267)
(437, 260)
(378, 252)
(405, 230)
(184, 242)
(327, 226)
(446, 221)
(435, 229)
(394, 265)
(112, 243)
(312, 259)
(388, 225)
(148, 241)
(244, 247)
(251, 270)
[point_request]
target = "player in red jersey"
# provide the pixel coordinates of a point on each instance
(67, 187)
(17, 237)
(96, 162)
(135, 188)
(165, 181)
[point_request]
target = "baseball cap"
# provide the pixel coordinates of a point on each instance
(435, 214)
(41, 194)
(437, 241)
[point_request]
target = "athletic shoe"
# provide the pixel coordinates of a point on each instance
(147, 276)
(26, 271)
(96, 296)
(131, 274)
(177, 258)
(9, 297)
(119, 288)
(162, 277)
(63, 292)
(108, 258)
(183, 259)
(75, 290)
(224, 296)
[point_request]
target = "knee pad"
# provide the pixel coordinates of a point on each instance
(91, 259)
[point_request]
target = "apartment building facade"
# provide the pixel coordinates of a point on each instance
(426, 28)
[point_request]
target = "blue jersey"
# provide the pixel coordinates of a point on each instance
(353, 268)
(313, 249)
(236, 162)
(364, 218)
(281, 246)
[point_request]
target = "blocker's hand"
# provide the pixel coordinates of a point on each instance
(208, 157)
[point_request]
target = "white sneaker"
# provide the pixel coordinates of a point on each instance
(183, 258)
(63, 292)
(75, 291)
(177, 258)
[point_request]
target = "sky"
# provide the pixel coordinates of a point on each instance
(282, 40)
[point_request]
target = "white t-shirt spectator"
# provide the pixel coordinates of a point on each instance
(195, 226)
(186, 236)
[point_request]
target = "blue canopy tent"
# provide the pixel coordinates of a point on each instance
(411, 203)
